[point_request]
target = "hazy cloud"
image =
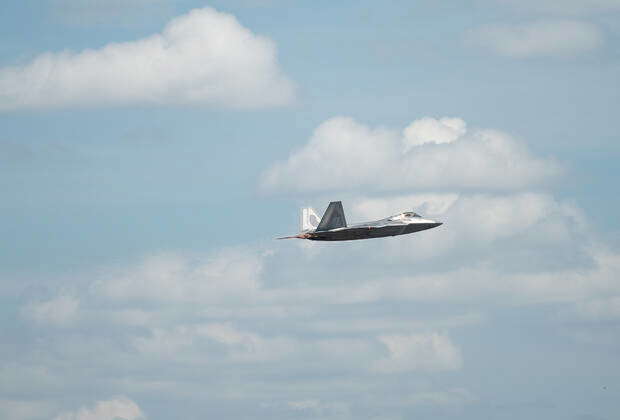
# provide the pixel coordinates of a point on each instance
(419, 352)
(114, 409)
(202, 58)
(455, 396)
(59, 311)
(230, 274)
(192, 342)
(555, 38)
(24, 409)
(321, 409)
(607, 308)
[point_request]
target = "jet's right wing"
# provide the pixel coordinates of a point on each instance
(333, 217)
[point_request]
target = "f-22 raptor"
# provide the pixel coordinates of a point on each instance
(333, 225)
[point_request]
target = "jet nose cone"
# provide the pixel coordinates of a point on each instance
(435, 224)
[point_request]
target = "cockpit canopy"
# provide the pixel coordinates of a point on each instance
(404, 215)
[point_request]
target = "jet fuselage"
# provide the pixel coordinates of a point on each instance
(391, 226)
(333, 225)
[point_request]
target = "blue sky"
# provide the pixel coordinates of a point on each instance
(151, 150)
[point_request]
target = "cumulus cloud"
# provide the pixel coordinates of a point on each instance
(426, 352)
(555, 38)
(59, 311)
(202, 58)
(114, 409)
(431, 130)
(344, 154)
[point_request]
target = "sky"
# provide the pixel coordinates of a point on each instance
(152, 150)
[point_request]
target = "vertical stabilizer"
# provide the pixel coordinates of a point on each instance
(333, 217)
(309, 219)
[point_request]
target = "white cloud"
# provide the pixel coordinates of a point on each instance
(202, 58)
(117, 408)
(59, 311)
(426, 352)
(431, 130)
(344, 154)
(556, 38)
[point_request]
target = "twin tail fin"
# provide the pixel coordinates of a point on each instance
(333, 217)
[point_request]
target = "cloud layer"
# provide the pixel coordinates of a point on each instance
(269, 328)
(292, 329)
(202, 58)
(554, 38)
(345, 154)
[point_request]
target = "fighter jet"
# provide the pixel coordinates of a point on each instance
(333, 225)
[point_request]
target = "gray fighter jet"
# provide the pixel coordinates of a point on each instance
(333, 225)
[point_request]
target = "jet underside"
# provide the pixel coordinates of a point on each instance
(367, 231)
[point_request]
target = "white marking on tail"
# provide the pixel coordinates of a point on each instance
(309, 219)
